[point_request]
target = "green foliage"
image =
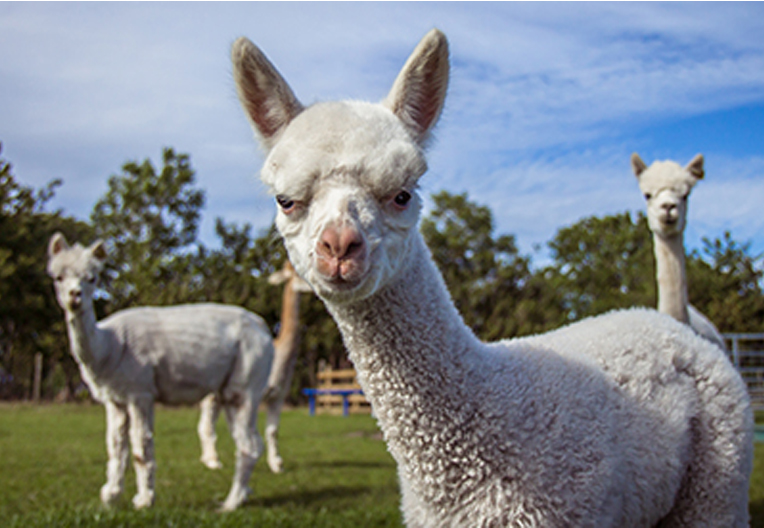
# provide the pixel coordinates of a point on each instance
(490, 282)
(603, 263)
(337, 473)
(148, 218)
(30, 319)
(726, 281)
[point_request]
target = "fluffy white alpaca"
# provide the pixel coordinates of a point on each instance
(173, 355)
(628, 419)
(286, 346)
(666, 187)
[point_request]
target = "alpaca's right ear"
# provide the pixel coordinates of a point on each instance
(57, 244)
(419, 91)
(637, 165)
(98, 250)
(266, 97)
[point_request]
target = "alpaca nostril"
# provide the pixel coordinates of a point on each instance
(339, 243)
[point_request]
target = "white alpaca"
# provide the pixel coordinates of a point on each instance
(173, 355)
(286, 346)
(628, 419)
(666, 187)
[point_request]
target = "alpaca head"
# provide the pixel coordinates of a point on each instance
(74, 270)
(666, 186)
(287, 274)
(345, 174)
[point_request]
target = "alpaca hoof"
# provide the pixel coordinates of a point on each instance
(276, 464)
(143, 500)
(109, 494)
(235, 499)
(212, 463)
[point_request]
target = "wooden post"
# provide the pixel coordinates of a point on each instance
(37, 387)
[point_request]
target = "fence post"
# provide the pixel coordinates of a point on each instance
(37, 386)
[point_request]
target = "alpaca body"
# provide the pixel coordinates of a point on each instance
(584, 426)
(286, 346)
(628, 419)
(173, 355)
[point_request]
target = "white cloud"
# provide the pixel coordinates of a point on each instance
(543, 100)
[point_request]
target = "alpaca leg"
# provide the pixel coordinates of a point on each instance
(210, 408)
(117, 449)
(271, 432)
(142, 443)
(242, 421)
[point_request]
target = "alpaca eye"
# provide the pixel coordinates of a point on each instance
(59, 278)
(648, 196)
(287, 205)
(402, 199)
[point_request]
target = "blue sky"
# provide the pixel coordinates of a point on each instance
(547, 101)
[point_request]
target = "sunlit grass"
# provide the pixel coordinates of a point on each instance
(337, 474)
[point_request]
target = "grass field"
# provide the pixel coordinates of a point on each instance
(337, 474)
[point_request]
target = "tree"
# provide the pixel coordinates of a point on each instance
(30, 319)
(489, 281)
(603, 263)
(725, 284)
(149, 219)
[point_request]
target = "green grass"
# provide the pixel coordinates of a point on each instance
(337, 474)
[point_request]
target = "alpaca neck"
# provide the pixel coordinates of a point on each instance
(287, 342)
(408, 343)
(85, 338)
(672, 281)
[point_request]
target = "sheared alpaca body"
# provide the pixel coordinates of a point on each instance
(628, 419)
(666, 187)
(286, 347)
(173, 355)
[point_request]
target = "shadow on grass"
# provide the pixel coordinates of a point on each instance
(320, 496)
(339, 464)
(756, 508)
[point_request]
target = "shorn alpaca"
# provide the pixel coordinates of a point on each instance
(173, 355)
(628, 419)
(666, 186)
(286, 346)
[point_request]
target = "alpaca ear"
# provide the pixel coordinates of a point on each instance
(419, 91)
(695, 167)
(278, 277)
(57, 244)
(637, 165)
(265, 96)
(98, 250)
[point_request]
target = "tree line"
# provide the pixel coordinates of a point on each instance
(149, 216)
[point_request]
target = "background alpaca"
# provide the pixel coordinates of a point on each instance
(173, 355)
(628, 419)
(286, 346)
(666, 187)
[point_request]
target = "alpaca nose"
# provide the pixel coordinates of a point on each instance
(340, 243)
(341, 252)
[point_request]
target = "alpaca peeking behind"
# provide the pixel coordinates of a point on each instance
(624, 420)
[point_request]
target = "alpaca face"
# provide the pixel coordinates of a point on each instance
(666, 186)
(344, 174)
(74, 270)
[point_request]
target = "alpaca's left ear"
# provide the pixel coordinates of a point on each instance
(637, 165)
(419, 92)
(695, 167)
(98, 250)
